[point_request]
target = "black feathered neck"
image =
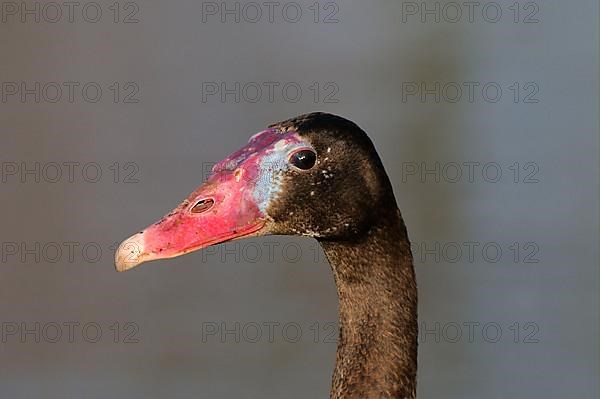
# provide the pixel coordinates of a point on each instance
(374, 276)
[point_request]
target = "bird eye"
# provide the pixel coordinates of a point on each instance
(303, 159)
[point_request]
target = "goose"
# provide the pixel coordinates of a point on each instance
(315, 175)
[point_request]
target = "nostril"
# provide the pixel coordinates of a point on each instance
(203, 205)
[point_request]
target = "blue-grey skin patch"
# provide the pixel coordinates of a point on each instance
(272, 167)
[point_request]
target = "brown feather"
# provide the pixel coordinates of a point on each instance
(348, 205)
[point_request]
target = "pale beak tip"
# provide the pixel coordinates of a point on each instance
(130, 253)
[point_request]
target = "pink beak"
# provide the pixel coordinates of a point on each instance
(227, 206)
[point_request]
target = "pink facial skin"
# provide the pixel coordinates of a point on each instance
(237, 186)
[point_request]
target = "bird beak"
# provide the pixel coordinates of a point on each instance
(227, 206)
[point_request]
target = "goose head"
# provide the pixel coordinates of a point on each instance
(315, 175)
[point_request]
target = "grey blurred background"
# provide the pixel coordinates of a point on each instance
(507, 265)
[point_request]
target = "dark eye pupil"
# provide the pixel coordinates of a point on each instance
(303, 159)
